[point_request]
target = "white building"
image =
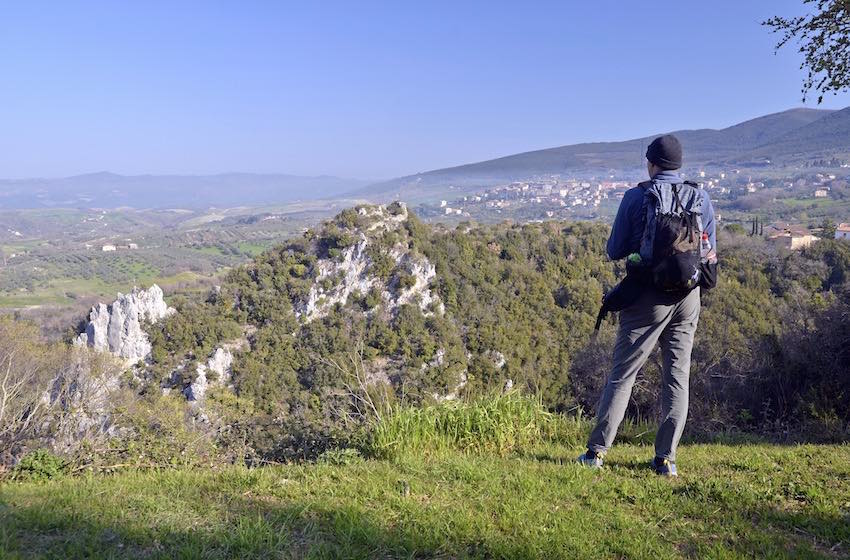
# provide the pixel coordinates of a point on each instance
(842, 231)
(107, 248)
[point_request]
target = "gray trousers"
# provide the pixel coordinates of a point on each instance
(655, 316)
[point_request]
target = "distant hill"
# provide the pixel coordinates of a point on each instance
(821, 137)
(109, 190)
(796, 133)
(778, 139)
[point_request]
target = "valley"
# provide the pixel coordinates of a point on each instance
(185, 232)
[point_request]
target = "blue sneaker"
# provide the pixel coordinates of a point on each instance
(590, 459)
(664, 467)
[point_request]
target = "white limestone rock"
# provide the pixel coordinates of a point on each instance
(117, 328)
(221, 364)
(422, 271)
(352, 271)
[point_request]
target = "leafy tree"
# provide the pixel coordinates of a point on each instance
(736, 229)
(823, 40)
(828, 229)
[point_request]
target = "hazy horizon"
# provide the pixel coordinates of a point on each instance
(348, 178)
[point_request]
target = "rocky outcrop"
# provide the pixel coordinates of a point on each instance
(351, 272)
(422, 271)
(84, 393)
(216, 372)
(117, 328)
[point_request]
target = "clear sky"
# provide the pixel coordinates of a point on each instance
(369, 89)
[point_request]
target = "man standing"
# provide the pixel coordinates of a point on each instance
(658, 314)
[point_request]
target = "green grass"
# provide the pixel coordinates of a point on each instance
(497, 424)
(749, 501)
(810, 202)
(252, 249)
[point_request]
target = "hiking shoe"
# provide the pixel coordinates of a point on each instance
(664, 467)
(590, 459)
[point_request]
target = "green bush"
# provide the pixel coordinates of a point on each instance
(161, 433)
(38, 466)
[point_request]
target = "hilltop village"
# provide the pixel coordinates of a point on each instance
(738, 194)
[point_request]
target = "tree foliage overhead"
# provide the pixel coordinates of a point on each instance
(824, 40)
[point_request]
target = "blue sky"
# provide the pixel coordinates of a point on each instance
(369, 89)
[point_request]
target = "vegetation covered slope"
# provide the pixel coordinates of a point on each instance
(375, 310)
(742, 501)
(376, 303)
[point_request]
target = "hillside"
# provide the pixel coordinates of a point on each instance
(52, 257)
(819, 138)
(110, 190)
(737, 501)
(374, 302)
(300, 350)
(771, 135)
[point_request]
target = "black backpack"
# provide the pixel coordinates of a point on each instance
(672, 256)
(671, 241)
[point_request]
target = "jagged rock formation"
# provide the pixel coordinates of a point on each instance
(352, 267)
(220, 365)
(352, 271)
(117, 328)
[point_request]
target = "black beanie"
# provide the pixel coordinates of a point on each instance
(665, 152)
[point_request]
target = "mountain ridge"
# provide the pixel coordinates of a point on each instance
(741, 142)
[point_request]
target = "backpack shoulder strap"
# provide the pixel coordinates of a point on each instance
(694, 207)
(649, 210)
(677, 202)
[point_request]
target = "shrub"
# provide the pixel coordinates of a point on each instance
(28, 369)
(395, 208)
(405, 280)
(38, 466)
(159, 431)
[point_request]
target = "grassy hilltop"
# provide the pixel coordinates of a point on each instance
(747, 501)
(488, 478)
